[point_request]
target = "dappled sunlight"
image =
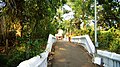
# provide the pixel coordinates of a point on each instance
(62, 49)
(62, 60)
(18, 27)
(71, 55)
(22, 48)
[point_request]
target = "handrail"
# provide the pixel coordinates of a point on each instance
(40, 60)
(109, 55)
(105, 58)
(86, 43)
(109, 59)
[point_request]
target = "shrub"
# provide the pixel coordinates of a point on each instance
(25, 51)
(110, 40)
(16, 58)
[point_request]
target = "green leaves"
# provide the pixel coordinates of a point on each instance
(32, 19)
(110, 12)
(109, 40)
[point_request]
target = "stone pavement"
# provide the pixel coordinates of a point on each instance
(70, 55)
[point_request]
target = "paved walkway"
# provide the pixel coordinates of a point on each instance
(70, 55)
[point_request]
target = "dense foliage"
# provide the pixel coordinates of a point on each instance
(110, 40)
(25, 26)
(108, 14)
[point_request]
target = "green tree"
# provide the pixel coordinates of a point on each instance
(83, 11)
(33, 19)
(108, 14)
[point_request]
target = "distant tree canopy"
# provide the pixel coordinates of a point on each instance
(109, 13)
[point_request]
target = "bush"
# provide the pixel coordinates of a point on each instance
(109, 40)
(25, 51)
(104, 39)
(16, 58)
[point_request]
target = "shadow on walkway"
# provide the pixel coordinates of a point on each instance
(71, 55)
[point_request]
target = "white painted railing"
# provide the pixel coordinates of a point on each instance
(40, 60)
(86, 43)
(108, 59)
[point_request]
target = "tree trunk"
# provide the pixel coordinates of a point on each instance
(2, 29)
(6, 47)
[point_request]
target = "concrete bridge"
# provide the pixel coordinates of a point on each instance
(80, 52)
(71, 55)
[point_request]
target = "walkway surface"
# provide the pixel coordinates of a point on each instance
(71, 55)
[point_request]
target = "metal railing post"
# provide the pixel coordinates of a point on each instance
(96, 43)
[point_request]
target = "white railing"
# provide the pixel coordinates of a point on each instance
(105, 58)
(40, 60)
(109, 59)
(85, 42)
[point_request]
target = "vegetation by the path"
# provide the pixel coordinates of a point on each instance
(24, 29)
